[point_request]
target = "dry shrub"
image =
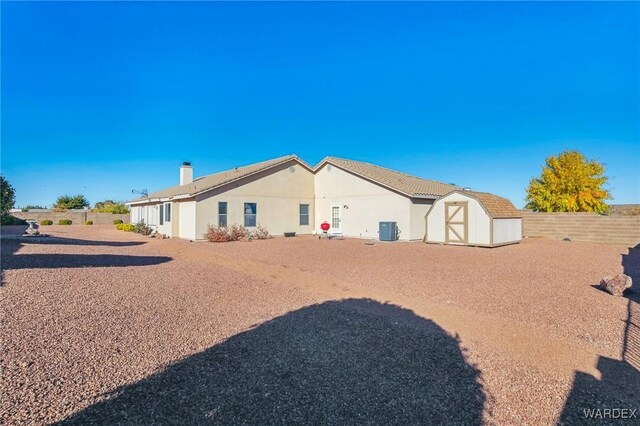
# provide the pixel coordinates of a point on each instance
(261, 233)
(221, 234)
(631, 211)
(216, 234)
(237, 233)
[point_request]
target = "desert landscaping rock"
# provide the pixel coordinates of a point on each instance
(616, 285)
(106, 327)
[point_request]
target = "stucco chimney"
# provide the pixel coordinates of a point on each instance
(186, 173)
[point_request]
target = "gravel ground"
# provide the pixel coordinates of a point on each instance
(106, 327)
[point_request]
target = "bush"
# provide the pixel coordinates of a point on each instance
(221, 234)
(142, 228)
(46, 222)
(237, 232)
(7, 219)
(68, 202)
(632, 211)
(127, 227)
(261, 233)
(110, 206)
(65, 222)
(216, 234)
(118, 221)
(88, 222)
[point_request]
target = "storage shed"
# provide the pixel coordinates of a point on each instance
(473, 219)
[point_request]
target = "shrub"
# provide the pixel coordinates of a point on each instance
(7, 219)
(237, 232)
(118, 221)
(65, 222)
(632, 211)
(30, 207)
(221, 234)
(261, 233)
(127, 227)
(142, 228)
(68, 202)
(110, 206)
(216, 234)
(88, 222)
(46, 222)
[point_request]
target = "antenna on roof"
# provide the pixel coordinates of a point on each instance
(142, 191)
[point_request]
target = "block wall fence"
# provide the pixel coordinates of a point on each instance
(591, 227)
(77, 217)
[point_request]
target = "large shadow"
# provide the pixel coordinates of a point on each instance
(354, 361)
(10, 260)
(619, 385)
(57, 260)
(71, 241)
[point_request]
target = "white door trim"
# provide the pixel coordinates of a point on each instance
(336, 229)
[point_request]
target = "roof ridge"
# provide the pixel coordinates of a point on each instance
(388, 169)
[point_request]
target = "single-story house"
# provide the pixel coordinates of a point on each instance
(287, 195)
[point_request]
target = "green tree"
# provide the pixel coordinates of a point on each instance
(68, 202)
(110, 206)
(31, 207)
(7, 197)
(569, 183)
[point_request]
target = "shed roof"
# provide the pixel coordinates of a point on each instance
(408, 185)
(497, 207)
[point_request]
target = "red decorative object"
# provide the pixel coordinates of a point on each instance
(325, 226)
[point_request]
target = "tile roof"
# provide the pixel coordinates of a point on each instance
(212, 181)
(497, 207)
(408, 185)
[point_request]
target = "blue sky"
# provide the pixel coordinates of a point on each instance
(101, 98)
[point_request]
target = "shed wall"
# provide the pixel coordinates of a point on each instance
(507, 230)
(479, 222)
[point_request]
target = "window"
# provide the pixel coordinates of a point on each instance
(250, 210)
(304, 214)
(161, 214)
(222, 214)
(167, 212)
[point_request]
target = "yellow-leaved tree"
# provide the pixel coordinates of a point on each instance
(569, 183)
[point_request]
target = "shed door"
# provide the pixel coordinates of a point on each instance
(456, 222)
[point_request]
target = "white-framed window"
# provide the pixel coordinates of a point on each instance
(222, 214)
(250, 214)
(304, 214)
(161, 214)
(167, 212)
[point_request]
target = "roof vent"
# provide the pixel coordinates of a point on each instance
(186, 163)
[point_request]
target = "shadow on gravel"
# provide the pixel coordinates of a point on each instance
(339, 362)
(56, 260)
(612, 399)
(76, 242)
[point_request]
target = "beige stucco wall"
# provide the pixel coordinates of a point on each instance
(278, 193)
(479, 222)
(368, 204)
(187, 220)
(507, 230)
(419, 209)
